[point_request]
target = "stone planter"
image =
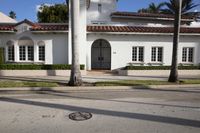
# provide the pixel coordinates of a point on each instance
(157, 72)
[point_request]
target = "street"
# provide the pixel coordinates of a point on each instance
(174, 110)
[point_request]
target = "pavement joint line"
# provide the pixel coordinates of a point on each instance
(102, 88)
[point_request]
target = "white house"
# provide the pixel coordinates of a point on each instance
(110, 39)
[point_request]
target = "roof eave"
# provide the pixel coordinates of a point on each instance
(50, 31)
(7, 31)
(142, 33)
(150, 18)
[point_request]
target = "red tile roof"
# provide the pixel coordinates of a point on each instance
(148, 15)
(131, 29)
(7, 28)
(50, 27)
(140, 29)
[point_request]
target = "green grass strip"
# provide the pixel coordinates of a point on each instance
(7, 84)
(143, 82)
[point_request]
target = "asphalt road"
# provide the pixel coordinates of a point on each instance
(113, 111)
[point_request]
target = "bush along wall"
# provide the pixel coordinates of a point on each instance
(2, 57)
(37, 67)
(160, 68)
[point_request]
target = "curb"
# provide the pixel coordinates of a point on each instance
(174, 86)
(83, 88)
(102, 88)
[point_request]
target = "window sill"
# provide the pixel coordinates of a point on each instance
(10, 62)
(136, 63)
(26, 62)
(186, 63)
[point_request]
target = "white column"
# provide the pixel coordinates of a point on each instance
(69, 37)
(6, 53)
(48, 52)
(83, 34)
(16, 49)
(36, 58)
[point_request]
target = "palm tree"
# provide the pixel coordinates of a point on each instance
(187, 5)
(12, 14)
(153, 8)
(75, 77)
(177, 22)
(177, 8)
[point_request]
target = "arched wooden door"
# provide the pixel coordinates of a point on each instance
(101, 55)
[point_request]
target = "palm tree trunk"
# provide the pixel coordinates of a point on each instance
(177, 22)
(75, 78)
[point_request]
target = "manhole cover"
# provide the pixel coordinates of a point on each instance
(80, 116)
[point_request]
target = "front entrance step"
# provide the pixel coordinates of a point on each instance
(101, 73)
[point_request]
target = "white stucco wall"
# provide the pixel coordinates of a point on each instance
(56, 45)
(121, 47)
(142, 22)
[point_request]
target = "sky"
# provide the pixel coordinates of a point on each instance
(26, 9)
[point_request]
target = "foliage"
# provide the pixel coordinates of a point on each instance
(171, 6)
(2, 61)
(153, 8)
(12, 14)
(36, 67)
(160, 67)
(57, 13)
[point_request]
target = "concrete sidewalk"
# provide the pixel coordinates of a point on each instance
(93, 78)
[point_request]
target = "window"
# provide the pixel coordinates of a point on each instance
(22, 53)
(24, 28)
(42, 53)
(138, 54)
(30, 53)
(156, 54)
(100, 8)
(10, 51)
(187, 55)
(26, 53)
(26, 49)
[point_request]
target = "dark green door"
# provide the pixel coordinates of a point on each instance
(101, 55)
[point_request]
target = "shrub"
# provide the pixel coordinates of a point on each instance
(160, 67)
(37, 67)
(2, 56)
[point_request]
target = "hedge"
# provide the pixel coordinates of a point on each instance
(36, 67)
(2, 56)
(160, 67)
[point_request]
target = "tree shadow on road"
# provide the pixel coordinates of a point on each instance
(65, 94)
(138, 116)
